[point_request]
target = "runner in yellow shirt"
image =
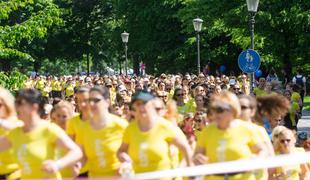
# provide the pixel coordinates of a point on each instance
(248, 109)
(146, 140)
(8, 121)
(61, 112)
(102, 136)
(34, 143)
(75, 125)
(56, 88)
(286, 140)
(227, 138)
(69, 88)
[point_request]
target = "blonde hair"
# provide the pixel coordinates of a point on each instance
(280, 131)
(230, 99)
(64, 104)
(172, 111)
(8, 101)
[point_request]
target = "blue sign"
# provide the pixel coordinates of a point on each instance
(249, 61)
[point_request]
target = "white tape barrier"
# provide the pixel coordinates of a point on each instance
(228, 167)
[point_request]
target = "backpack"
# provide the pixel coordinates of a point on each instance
(299, 81)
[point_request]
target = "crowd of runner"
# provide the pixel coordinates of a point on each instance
(109, 126)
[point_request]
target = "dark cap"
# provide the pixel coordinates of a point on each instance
(142, 96)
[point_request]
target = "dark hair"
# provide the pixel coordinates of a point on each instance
(299, 70)
(103, 91)
(31, 96)
(56, 101)
(272, 104)
(175, 91)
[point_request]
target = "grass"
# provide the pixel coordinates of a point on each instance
(306, 103)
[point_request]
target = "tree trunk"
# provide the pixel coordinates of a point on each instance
(36, 65)
(136, 58)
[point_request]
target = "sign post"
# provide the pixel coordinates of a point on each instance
(249, 62)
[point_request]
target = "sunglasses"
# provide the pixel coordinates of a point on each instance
(179, 95)
(94, 100)
(220, 109)
(245, 107)
(109, 86)
(283, 141)
(162, 96)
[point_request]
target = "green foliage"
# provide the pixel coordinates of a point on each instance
(21, 23)
(64, 32)
(13, 80)
(306, 103)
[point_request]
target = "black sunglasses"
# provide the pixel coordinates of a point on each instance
(220, 109)
(245, 107)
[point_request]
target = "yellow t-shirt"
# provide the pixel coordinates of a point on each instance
(7, 164)
(101, 147)
(187, 108)
(259, 92)
(261, 133)
(149, 150)
(31, 149)
(293, 110)
(70, 90)
(295, 97)
(290, 172)
(232, 144)
(40, 84)
(28, 84)
(74, 128)
(56, 86)
(46, 90)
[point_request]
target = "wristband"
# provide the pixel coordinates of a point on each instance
(58, 164)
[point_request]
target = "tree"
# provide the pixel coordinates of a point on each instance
(22, 22)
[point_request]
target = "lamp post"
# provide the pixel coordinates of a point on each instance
(125, 37)
(252, 9)
(197, 26)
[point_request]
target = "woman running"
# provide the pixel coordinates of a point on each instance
(102, 135)
(227, 138)
(8, 121)
(146, 140)
(33, 144)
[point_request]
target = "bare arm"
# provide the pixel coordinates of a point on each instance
(73, 155)
(199, 156)
(184, 147)
(122, 153)
(5, 144)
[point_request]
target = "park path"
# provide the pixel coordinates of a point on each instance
(304, 123)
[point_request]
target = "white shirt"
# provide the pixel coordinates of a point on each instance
(303, 79)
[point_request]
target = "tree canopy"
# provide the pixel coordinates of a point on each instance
(75, 32)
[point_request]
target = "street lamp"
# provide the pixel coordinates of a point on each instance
(252, 9)
(125, 36)
(197, 26)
